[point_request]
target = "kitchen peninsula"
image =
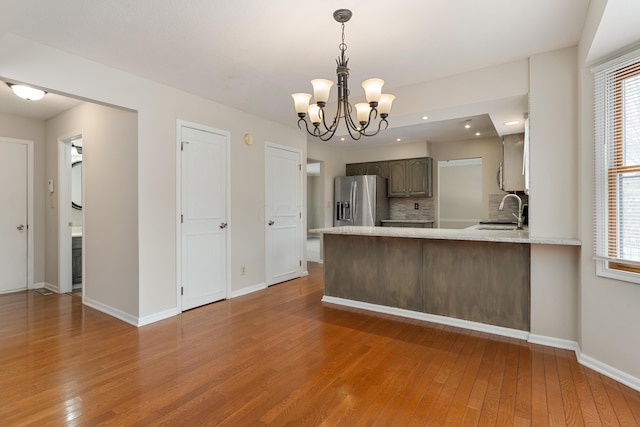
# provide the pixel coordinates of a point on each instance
(481, 276)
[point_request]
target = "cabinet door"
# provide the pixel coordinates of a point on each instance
(356, 169)
(76, 260)
(378, 168)
(397, 178)
(512, 171)
(417, 177)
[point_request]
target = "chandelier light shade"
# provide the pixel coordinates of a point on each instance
(26, 92)
(313, 115)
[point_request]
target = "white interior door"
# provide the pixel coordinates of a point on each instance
(204, 216)
(13, 217)
(459, 193)
(283, 213)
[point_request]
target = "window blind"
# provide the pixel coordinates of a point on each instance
(617, 162)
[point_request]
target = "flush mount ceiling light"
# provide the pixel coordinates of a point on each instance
(377, 102)
(26, 92)
(511, 123)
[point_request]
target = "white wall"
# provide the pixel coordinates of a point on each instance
(553, 118)
(553, 200)
(362, 152)
(110, 206)
(158, 108)
(32, 130)
(609, 314)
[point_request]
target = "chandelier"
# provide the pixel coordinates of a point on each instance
(366, 112)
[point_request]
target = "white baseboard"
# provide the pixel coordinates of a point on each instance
(156, 317)
(609, 371)
(39, 285)
(444, 320)
(248, 290)
(555, 342)
(52, 288)
(305, 273)
(118, 314)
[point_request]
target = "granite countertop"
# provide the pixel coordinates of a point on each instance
(409, 221)
(507, 236)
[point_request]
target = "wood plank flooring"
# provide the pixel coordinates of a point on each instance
(282, 357)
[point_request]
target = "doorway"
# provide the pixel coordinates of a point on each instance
(70, 213)
(315, 211)
(16, 216)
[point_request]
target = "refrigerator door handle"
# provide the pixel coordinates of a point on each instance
(354, 205)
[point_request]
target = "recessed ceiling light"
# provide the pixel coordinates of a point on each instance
(398, 139)
(342, 139)
(467, 124)
(477, 133)
(511, 123)
(425, 117)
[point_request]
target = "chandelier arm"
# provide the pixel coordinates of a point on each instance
(316, 130)
(348, 119)
(386, 124)
(334, 125)
(325, 134)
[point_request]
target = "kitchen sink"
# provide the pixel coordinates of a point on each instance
(496, 227)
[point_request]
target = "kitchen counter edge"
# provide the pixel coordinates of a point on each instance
(508, 236)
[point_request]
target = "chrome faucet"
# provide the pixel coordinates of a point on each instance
(519, 215)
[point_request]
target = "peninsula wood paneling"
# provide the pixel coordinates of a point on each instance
(486, 282)
(478, 281)
(378, 270)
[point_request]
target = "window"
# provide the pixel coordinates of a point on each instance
(617, 137)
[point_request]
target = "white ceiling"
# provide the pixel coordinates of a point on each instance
(252, 54)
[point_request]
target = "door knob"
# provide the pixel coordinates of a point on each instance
(271, 222)
(20, 227)
(223, 225)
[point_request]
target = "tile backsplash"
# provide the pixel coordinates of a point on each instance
(404, 208)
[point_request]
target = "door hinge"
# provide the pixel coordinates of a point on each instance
(181, 290)
(181, 219)
(182, 145)
(299, 166)
(300, 263)
(300, 214)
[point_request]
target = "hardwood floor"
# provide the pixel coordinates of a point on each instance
(282, 357)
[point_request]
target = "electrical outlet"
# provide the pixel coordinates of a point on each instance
(243, 270)
(416, 206)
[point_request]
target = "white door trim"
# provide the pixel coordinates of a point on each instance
(63, 188)
(303, 234)
(30, 215)
(179, 124)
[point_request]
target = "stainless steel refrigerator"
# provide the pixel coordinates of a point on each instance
(360, 200)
